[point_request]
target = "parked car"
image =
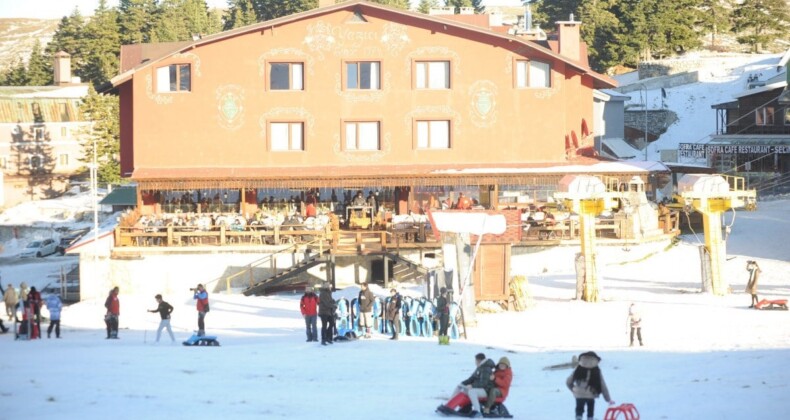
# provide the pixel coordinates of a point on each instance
(69, 239)
(39, 249)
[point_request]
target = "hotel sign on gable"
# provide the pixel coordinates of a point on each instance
(697, 150)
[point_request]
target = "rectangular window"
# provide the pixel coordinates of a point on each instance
(286, 76)
(432, 74)
(174, 78)
(63, 160)
(39, 131)
(533, 74)
(64, 112)
(764, 115)
(3, 162)
(362, 135)
(285, 136)
(433, 134)
(787, 116)
(363, 75)
(64, 132)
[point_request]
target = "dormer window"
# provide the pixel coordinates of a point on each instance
(174, 78)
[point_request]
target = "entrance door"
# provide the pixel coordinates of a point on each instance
(492, 272)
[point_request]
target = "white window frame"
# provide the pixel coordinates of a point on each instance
(362, 135)
(433, 134)
(432, 74)
(374, 82)
(286, 136)
(61, 158)
(165, 82)
(295, 75)
(532, 74)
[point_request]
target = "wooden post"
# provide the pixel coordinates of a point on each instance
(170, 236)
(386, 272)
(222, 235)
(242, 200)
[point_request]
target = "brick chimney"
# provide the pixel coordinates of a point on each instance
(62, 67)
(569, 38)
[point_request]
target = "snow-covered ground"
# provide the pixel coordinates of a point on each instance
(704, 357)
(692, 102)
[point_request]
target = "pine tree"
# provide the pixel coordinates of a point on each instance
(714, 16)
(39, 67)
(69, 37)
(136, 19)
(401, 4)
(458, 4)
(478, 5)
(102, 46)
(240, 13)
(272, 9)
(425, 6)
(763, 20)
(104, 131)
(180, 20)
(16, 74)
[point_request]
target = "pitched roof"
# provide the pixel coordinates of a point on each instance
(600, 80)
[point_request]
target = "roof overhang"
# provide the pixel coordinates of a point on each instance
(600, 81)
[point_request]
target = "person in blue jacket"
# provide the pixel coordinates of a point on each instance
(54, 305)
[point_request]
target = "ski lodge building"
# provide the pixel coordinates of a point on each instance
(409, 108)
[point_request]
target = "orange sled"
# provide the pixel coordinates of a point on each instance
(780, 304)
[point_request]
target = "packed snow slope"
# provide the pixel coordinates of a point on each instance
(704, 357)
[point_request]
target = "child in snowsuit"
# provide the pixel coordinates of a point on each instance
(54, 305)
(502, 378)
(586, 383)
(751, 286)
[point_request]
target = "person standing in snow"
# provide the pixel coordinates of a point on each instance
(54, 305)
(164, 309)
(23, 291)
(201, 296)
(113, 306)
(502, 377)
(586, 383)
(443, 312)
(754, 275)
(365, 301)
(34, 299)
(326, 310)
(393, 313)
(634, 322)
(11, 300)
(476, 386)
(309, 307)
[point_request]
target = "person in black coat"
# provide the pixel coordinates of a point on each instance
(393, 313)
(443, 312)
(326, 311)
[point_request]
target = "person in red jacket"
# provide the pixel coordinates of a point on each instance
(113, 306)
(309, 308)
(502, 377)
(201, 296)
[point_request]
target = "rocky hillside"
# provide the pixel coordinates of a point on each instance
(17, 36)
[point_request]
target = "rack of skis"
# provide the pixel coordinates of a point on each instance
(417, 317)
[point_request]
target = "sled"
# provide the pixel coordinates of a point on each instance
(344, 334)
(628, 411)
(461, 406)
(765, 304)
(201, 340)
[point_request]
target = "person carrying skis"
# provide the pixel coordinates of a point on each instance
(754, 275)
(586, 383)
(326, 310)
(365, 300)
(164, 309)
(54, 305)
(475, 386)
(309, 307)
(634, 321)
(502, 378)
(201, 296)
(393, 313)
(113, 306)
